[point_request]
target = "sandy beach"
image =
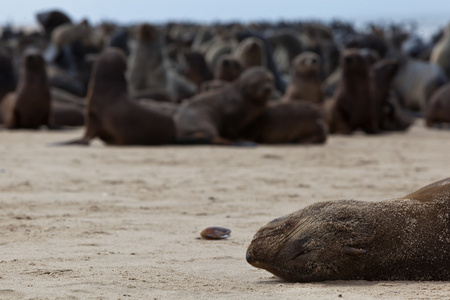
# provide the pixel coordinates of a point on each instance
(104, 222)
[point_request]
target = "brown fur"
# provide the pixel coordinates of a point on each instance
(291, 122)
(390, 115)
(67, 114)
(67, 33)
(213, 85)
(352, 106)
(228, 68)
(219, 115)
(113, 116)
(197, 70)
(305, 84)
(251, 52)
(400, 239)
(7, 78)
(438, 109)
(29, 107)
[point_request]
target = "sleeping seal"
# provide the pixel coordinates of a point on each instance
(401, 239)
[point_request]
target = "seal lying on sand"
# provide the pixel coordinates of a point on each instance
(288, 122)
(400, 239)
(438, 109)
(113, 116)
(218, 116)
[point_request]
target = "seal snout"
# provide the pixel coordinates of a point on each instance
(249, 257)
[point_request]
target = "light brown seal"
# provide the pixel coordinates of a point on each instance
(440, 55)
(251, 52)
(113, 116)
(401, 239)
(218, 116)
(288, 122)
(28, 107)
(306, 84)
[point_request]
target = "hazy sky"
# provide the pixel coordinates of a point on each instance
(22, 12)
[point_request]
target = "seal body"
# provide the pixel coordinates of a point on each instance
(353, 106)
(400, 239)
(289, 122)
(28, 107)
(218, 116)
(306, 84)
(438, 108)
(113, 116)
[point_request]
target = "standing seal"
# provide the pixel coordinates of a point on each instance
(28, 107)
(7, 77)
(113, 116)
(401, 239)
(306, 84)
(353, 106)
(218, 116)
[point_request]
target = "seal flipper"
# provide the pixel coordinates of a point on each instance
(81, 142)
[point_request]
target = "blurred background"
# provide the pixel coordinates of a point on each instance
(428, 15)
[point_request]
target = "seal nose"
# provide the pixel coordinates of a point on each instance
(248, 257)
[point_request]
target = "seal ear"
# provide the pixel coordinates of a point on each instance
(353, 251)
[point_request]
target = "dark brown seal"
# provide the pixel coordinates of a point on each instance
(306, 84)
(353, 106)
(401, 239)
(113, 116)
(28, 107)
(7, 78)
(290, 122)
(390, 115)
(438, 108)
(218, 116)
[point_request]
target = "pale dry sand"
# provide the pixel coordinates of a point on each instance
(104, 222)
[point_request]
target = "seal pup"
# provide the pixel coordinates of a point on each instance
(352, 106)
(218, 116)
(401, 239)
(306, 84)
(288, 123)
(113, 116)
(147, 72)
(29, 106)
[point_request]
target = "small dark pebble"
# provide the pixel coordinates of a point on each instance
(215, 233)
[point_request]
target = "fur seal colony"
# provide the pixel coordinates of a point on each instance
(360, 80)
(406, 238)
